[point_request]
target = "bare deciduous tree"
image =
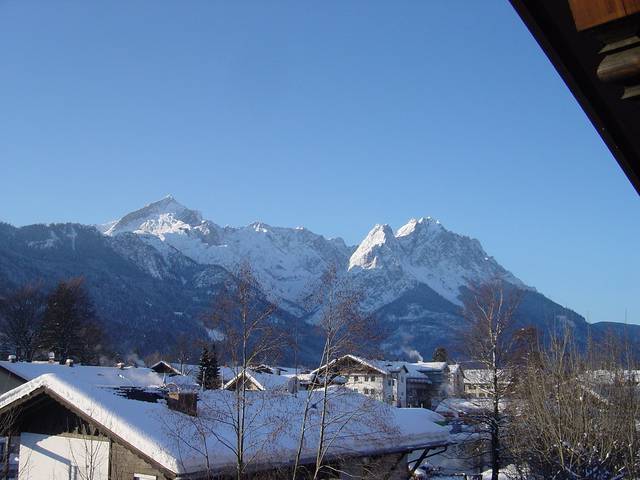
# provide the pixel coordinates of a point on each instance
(489, 310)
(183, 352)
(70, 327)
(576, 414)
(344, 328)
(89, 452)
(244, 317)
(21, 314)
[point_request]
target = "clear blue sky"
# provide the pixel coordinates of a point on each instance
(335, 115)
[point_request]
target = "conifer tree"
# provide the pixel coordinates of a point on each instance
(203, 371)
(440, 354)
(209, 372)
(214, 375)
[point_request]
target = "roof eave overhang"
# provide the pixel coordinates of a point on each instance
(581, 84)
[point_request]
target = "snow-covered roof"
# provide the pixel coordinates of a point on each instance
(154, 430)
(191, 370)
(421, 369)
(162, 365)
(609, 376)
(477, 376)
(94, 375)
(455, 406)
(264, 381)
(383, 366)
(432, 366)
(291, 371)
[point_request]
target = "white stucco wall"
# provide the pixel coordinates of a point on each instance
(62, 458)
(385, 388)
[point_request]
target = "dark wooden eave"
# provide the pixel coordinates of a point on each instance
(576, 55)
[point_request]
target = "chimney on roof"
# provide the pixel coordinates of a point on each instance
(12, 358)
(52, 357)
(69, 362)
(184, 402)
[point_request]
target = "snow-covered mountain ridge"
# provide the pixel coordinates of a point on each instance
(289, 261)
(154, 273)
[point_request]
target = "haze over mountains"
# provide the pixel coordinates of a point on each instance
(152, 274)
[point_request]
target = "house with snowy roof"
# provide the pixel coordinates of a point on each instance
(168, 368)
(262, 380)
(59, 426)
(227, 373)
(379, 379)
(399, 383)
(261, 377)
(428, 383)
(478, 382)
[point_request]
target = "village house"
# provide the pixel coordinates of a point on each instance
(384, 381)
(478, 382)
(260, 378)
(263, 380)
(444, 381)
(419, 388)
(131, 426)
(398, 383)
(456, 380)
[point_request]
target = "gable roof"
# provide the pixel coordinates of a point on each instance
(165, 367)
(381, 366)
(148, 428)
(263, 381)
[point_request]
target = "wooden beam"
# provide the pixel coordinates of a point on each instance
(631, 6)
(590, 13)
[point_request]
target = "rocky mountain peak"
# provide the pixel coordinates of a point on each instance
(164, 215)
(288, 261)
(419, 226)
(378, 247)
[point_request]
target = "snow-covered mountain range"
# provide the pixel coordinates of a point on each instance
(152, 273)
(289, 261)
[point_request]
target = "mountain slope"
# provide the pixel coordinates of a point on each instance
(285, 260)
(153, 273)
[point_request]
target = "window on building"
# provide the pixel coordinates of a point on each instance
(355, 378)
(366, 391)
